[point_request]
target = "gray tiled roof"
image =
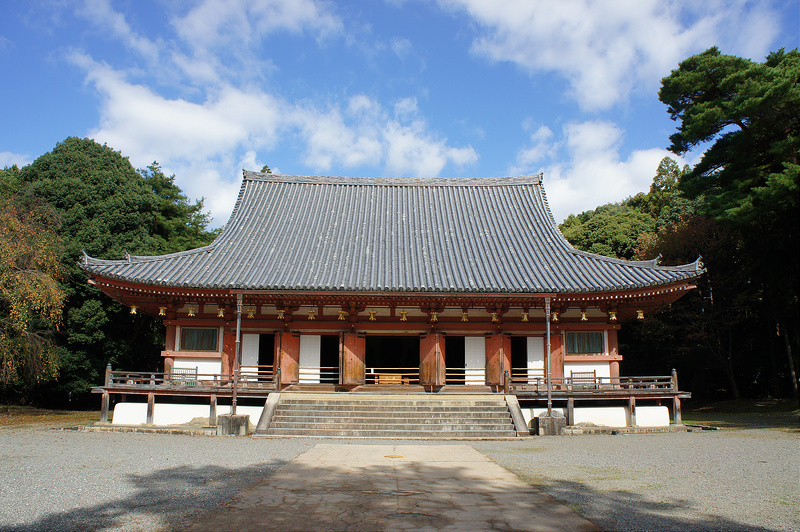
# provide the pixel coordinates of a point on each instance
(391, 235)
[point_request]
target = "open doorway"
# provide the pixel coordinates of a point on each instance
(392, 359)
(319, 359)
(527, 358)
(465, 359)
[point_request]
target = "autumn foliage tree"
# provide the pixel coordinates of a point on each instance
(106, 208)
(31, 297)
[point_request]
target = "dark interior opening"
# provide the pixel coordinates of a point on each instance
(392, 352)
(329, 358)
(454, 359)
(519, 356)
(266, 353)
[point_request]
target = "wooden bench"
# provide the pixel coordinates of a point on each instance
(583, 380)
(184, 376)
(388, 378)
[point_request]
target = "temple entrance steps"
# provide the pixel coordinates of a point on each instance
(422, 416)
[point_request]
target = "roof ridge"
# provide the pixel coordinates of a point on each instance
(534, 179)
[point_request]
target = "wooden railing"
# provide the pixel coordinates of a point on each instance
(465, 376)
(318, 374)
(392, 376)
(591, 385)
(251, 377)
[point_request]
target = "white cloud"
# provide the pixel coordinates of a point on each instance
(609, 48)
(401, 47)
(152, 127)
(9, 159)
(103, 15)
(365, 134)
(595, 172)
(201, 142)
(222, 23)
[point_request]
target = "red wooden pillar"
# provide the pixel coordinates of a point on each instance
(352, 359)
(498, 358)
(431, 360)
(613, 351)
(557, 356)
(169, 346)
(287, 356)
(228, 350)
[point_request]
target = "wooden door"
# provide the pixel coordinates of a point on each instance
(352, 355)
(498, 358)
(431, 360)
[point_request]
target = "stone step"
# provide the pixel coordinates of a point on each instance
(405, 427)
(422, 407)
(367, 414)
(392, 416)
(394, 434)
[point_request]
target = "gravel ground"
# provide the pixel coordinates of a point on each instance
(710, 481)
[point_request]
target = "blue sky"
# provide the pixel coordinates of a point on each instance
(420, 88)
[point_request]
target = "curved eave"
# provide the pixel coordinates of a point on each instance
(666, 275)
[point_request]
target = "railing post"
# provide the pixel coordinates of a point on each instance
(506, 382)
(571, 411)
(108, 374)
(151, 407)
(104, 407)
(212, 414)
(676, 401)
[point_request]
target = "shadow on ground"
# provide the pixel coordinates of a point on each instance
(167, 499)
(181, 498)
(626, 511)
(745, 413)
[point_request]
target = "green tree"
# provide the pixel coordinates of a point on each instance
(664, 201)
(611, 230)
(30, 295)
(750, 175)
(177, 225)
(107, 208)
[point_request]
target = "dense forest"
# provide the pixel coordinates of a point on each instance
(56, 338)
(735, 335)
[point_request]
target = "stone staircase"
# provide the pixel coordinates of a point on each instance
(422, 416)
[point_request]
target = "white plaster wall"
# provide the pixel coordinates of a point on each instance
(475, 360)
(205, 366)
(601, 369)
(310, 348)
(250, 349)
(607, 416)
(174, 414)
(535, 356)
(529, 413)
(652, 416)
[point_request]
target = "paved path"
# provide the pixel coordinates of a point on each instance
(392, 487)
